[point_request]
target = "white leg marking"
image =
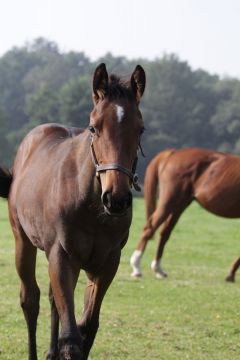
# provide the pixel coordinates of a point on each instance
(135, 263)
(159, 272)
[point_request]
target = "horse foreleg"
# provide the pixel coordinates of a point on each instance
(165, 233)
(63, 277)
(29, 292)
(234, 267)
(52, 353)
(154, 221)
(95, 290)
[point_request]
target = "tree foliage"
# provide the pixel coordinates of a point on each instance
(181, 107)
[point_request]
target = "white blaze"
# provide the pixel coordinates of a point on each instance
(120, 113)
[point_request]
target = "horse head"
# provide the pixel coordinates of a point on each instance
(116, 126)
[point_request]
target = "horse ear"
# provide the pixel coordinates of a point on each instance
(138, 81)
(100, 83)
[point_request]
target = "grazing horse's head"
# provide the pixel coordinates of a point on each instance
(116, 126)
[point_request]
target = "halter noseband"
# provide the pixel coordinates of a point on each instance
(113, 166)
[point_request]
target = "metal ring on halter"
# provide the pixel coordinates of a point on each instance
(112, 166)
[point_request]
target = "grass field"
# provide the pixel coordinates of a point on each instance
(193, 314)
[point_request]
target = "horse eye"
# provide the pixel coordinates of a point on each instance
(142, 130)
(92, 129)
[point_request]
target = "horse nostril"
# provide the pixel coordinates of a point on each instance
(115, 203)
(122, 203)
(106, 199)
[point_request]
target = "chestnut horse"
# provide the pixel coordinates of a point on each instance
(69, 194)
(211, 178)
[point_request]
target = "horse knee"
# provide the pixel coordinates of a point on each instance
(29, 300)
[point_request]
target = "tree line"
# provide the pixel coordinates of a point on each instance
(181, 107)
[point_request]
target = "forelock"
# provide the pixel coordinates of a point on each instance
(118, 88)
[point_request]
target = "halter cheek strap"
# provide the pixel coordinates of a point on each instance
(113, 166)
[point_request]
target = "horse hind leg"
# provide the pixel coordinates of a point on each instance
(165, 233)
(29, 291)
(234, 268)
(154, 221)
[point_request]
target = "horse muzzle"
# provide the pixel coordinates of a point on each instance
(115, 204)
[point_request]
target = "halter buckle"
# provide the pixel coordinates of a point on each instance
(135, 179)
(135, 182)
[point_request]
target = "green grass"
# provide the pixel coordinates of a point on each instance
(193, 314)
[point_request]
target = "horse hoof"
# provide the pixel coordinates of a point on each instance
(230, 278)
(51, 356)
(160, 275)
(136, 274)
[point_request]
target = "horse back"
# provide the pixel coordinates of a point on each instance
(186, 164)
(181, 173)
(45, 136)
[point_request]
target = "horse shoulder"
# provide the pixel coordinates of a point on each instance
(40, 136)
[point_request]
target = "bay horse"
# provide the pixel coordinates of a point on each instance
(69, 194)
(210, 177)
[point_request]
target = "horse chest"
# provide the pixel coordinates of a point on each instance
(91, 246)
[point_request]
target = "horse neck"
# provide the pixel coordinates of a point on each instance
(85, 167)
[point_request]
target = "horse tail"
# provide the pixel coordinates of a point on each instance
(151, 181)
(5, 182)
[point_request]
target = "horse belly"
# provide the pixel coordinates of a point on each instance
(37, 230)
(220, 200)
(28, 214)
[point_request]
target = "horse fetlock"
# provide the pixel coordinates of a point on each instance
(159, 272)
(70, 348)
(135, 263)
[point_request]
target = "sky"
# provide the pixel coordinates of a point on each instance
(205, 33)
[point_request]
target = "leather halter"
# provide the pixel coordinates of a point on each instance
(114, 166)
